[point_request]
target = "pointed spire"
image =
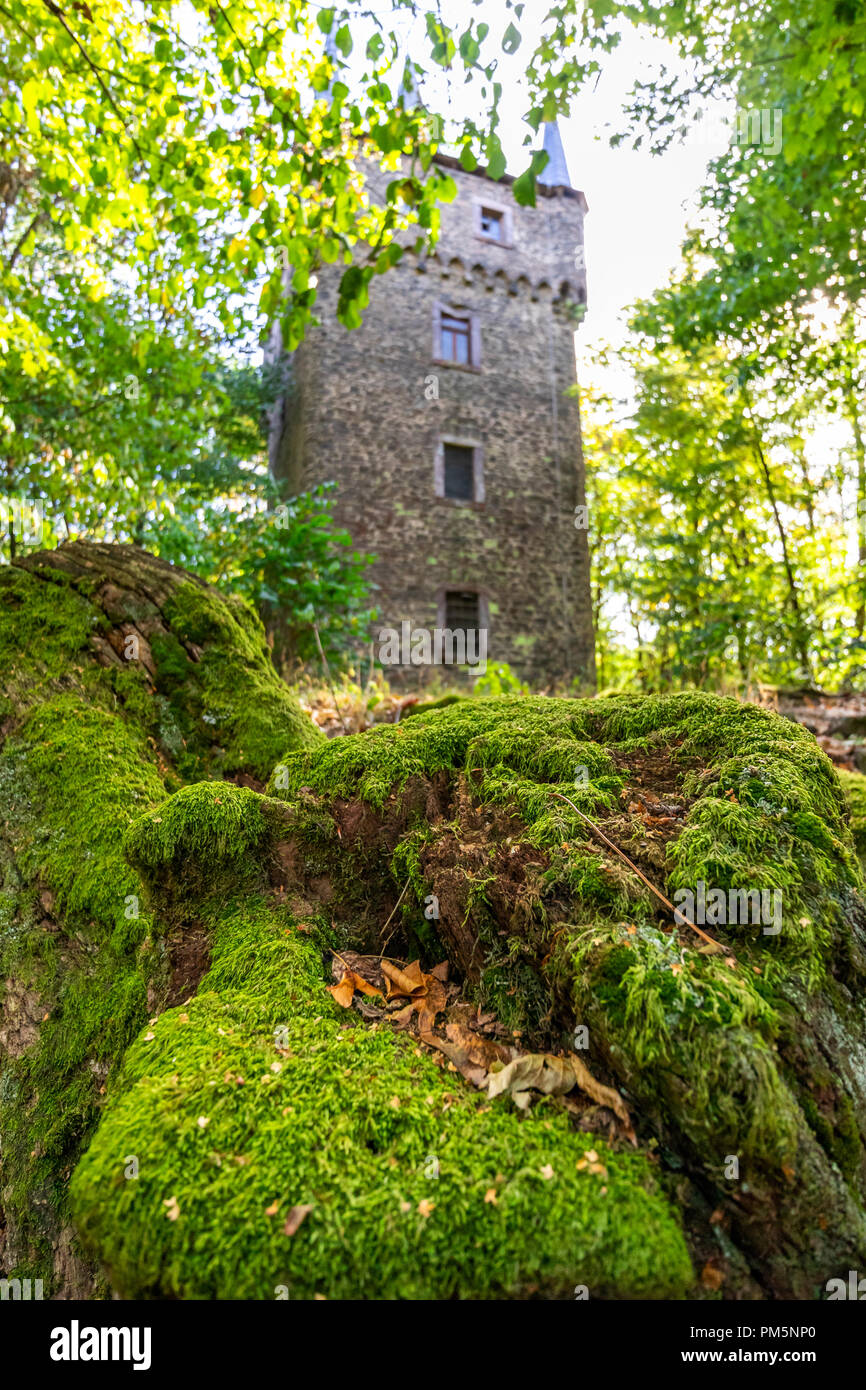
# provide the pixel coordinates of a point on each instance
(331, 44)
(332, 55)
(409, 88)
(556, 174)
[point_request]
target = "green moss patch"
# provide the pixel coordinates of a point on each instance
(695, 790)
(231, 693)
(91, 742)
(854, 787)
(260, 1098)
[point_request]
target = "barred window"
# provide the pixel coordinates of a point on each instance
(462, 610)
(460, 472)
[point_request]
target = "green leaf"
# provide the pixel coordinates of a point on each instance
(523, 188)
(511, 39)
(496, 164)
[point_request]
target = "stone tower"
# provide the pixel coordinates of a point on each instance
(447, 423)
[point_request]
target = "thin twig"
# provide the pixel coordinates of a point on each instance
(397, 960)
(370, 671)
(31, 226)
(679, 915)
(55, 10)
(327, 670)
(396, 905)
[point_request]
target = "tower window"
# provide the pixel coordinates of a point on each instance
(464, 626)
(456, 336)
(492, 224)
(462, 610)
(459, 472)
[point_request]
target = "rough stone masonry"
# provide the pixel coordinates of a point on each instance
(447, 423)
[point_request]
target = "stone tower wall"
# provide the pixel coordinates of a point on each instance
(370, 408)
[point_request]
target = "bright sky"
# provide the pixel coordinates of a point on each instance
(639, 204)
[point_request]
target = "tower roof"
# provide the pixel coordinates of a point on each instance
(331, 52)
(556, 174)
(409, 85)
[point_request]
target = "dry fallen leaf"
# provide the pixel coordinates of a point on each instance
(402, 983)
(480, 1051)
(294, 1219)
(490, 1196)
(554, 1076)
(272, 1209)
(425, 1207)
(457, 1059)
(344, 992)
(711, 1277)
(402, 1017)
(430, 1003)
(173, 1209)
(604, 1095)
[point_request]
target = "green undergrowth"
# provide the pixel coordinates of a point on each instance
(261, 1096)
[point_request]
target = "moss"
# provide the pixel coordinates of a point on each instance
(208, 824)
(231, 696)
(72, 778)
(76, 777)
(768, 809)
(693, 1037)
(336, 1115)
(854, 787)
(45, 627)
(847, 1146)
(424, 705)
(90, 745)
(838, 1134)
(260, 1096)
